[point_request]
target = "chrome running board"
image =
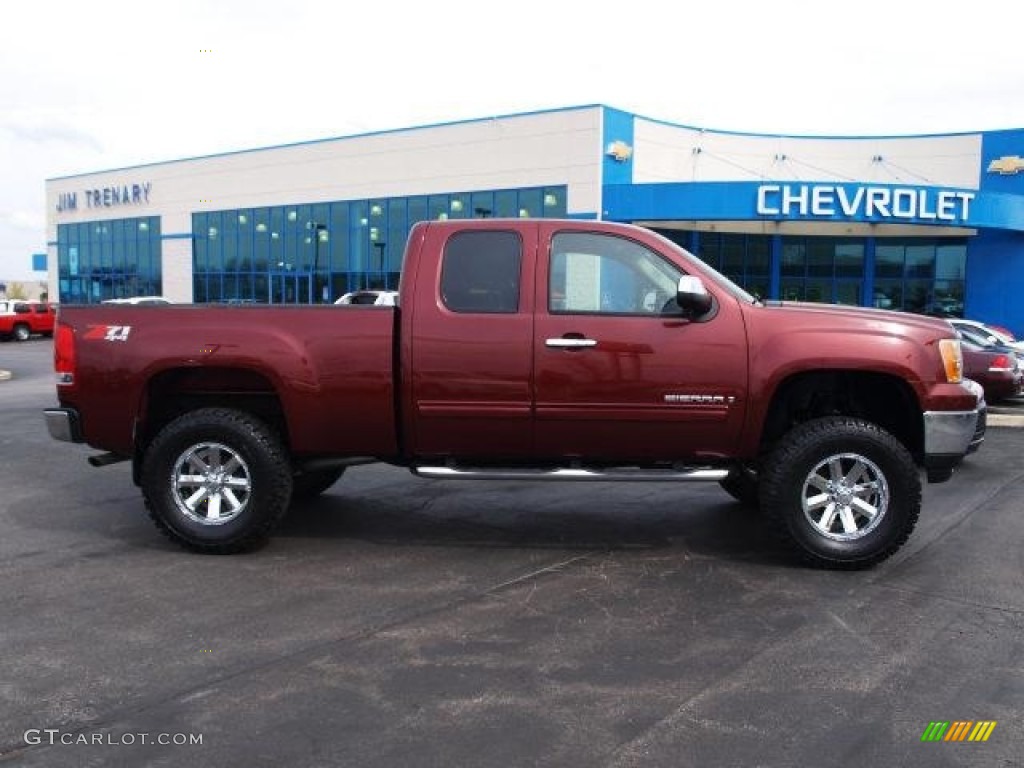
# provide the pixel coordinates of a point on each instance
(695, 475)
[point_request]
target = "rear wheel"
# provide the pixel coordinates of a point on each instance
(216, 480)
(843, 491)
(22, 332)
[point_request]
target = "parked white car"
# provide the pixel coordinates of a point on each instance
(376, 298)
(997, 336)
(139, 300)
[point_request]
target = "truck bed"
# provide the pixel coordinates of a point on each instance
(331, 369)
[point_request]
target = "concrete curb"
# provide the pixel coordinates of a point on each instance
(5, 375)
(1004, 420)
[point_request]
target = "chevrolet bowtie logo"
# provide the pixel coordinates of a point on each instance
(1007, 165)
(619, 151)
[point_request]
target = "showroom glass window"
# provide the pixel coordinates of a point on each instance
(297, 254)
(822, 269)
(110, 259)
(921, 275)
(743, 258)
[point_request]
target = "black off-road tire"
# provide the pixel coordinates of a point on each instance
(742, 484)
(309, 485)
(825, 478)
(216, 481)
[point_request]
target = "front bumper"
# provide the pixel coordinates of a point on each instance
(64, 424)
(947, 439)
(981, 426)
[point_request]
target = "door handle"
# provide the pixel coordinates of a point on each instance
(571, 343)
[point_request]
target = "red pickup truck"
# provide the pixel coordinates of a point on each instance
(532, 349)
(20, 319)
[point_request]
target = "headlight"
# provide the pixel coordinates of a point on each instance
(952, 360)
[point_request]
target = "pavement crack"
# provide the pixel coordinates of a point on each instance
(1010, 610)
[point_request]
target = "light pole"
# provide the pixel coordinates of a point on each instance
(316, 228)
(380, 245)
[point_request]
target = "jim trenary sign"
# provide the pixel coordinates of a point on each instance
(864, 203)
(106, 197)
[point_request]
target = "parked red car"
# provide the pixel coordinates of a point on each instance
(998, 371)
(20, 319)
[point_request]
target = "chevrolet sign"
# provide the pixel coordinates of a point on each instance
(619, 151)
(863, 203)
(1007, 165)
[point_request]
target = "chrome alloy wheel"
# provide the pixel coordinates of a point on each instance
(845, 497)
(211, 484)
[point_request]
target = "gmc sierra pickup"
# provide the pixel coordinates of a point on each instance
(532, 349)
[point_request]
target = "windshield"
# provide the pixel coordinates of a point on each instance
(720, 279)
(976, 336)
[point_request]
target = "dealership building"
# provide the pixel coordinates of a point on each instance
(930, 223)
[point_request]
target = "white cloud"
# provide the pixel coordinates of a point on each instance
(111, 83)
(30, 220)
(41, 131)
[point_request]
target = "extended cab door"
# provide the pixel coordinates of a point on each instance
(467, 341)
(620, 374)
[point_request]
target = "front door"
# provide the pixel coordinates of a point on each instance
(619, 373)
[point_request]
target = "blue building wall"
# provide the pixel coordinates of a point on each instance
(995, 257)
(995, 279)
(616, 129)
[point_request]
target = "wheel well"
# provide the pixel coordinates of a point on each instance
(882, 399)
(173, 393)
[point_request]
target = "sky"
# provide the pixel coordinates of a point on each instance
(92, 85)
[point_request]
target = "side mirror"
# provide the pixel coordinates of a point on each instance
(692, 296)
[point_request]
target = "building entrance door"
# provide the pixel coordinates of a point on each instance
(288, 288)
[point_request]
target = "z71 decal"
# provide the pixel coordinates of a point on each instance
(107, 333)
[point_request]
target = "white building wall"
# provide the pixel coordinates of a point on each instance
(176, 266)
(667, 153)
(551, 148)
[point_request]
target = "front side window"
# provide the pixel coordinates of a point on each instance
(481, 272)
(606, 274)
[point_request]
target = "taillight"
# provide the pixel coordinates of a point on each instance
(64, 355)
(1000, 364)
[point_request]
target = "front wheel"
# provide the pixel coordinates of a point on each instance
(216, 480)
(843, 491)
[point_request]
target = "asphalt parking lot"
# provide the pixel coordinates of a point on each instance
(403, 622)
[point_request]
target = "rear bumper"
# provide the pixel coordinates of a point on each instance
(947, 438)
(64, 424)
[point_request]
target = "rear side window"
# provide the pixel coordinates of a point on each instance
(481, 272)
